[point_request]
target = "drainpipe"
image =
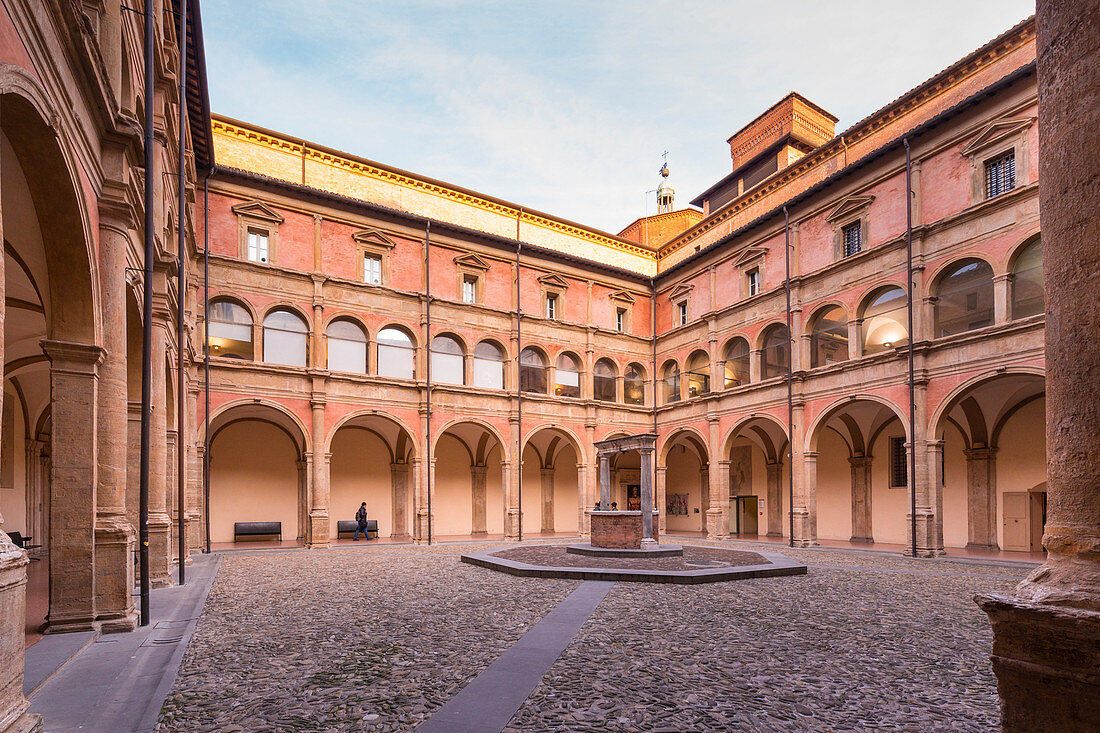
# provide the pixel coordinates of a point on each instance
(206, 355)
(519, 390)
(653, 342)
(909, 310)
(147, 329)
(790, 376)
(428, 369)
(181, 292)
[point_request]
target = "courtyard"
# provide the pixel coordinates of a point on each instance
(380, 638)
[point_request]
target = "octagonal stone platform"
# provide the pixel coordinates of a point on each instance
(695, 564)
(655, 551)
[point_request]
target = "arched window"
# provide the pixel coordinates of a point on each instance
(448, 361)
(698, 374)
(567, 382)
(488, 365)
(396, 354)
(773, 353)
(964, 298)
(634, 385)
(1027, 281)
(603, 380)
(884, 321)
(286, 339)
(670, 377)
(532, 371)
(829, 337)
(230, 330)
(737, 363)
(347, 347)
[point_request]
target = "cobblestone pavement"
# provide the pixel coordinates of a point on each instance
(377, 639)
(692, 559)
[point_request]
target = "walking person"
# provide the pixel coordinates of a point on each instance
(361, 522)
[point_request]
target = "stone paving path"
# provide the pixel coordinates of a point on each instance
(693, 558)
(381, 639)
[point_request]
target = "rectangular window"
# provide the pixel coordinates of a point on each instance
(754, 282)
(853, 238)
(683, 313)
(551, 306)
(469, 289)
(372, 269)
(620, 320)
(899, 464)
(1000, 174)
(257, 246)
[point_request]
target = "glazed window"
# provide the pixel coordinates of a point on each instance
(567, 381)
(964, 299)
(682, 313)
(829, 337)
(1027, 281)
(448, 361)
(286, 339)
(852, 238)
(469, 289)
(698, 374)
(532, 371)
(753, 282)
(671, 381)
(347, 347)
(488, 366)
(257, 245)
(899, 463)
(551, 306)
(884, 321)
(1000, 174)
(774, 353)
(396, 354)
(737, 363)
(603, 380)
(230, 328)
(620, 320)
(634, 385)
(372, 269)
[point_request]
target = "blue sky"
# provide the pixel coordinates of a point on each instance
(566, 106)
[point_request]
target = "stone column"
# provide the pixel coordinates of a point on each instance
(399, 480)
(1000, 298)
(318, 531)
(775, 498)
(14, 717)
(420, 499)
(661, 503)
(547, 499)
(861, 499)
(1046, 638)
(933, 468)
(929, 522)
(647, 496)
(855, 339)
(171, 496)
(305, 470)
(805, 510)
(478, 475)
(754, 365)
(115, 536)
(586, 499)
(160, 564)
(75, 575)
(981, 498)
(718, 513)
(605, 481)
(512, 517)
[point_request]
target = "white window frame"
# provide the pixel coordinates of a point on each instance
(753, 281)
(372, 268)
(469, 288)
(682, 313)
(551, 310)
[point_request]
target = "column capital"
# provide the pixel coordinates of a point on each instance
(980, 454)
(860, 461)
(73, 357)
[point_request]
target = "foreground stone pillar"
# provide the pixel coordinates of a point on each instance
(547, 499)
(861, 499)
(647, 496)
(14, 717)
(478, 477)
(718, 513)
(511, 476)
(981, 498)
(318, 533)
(661, 501)
(805, 498)
(605, 482)
(399, 479)
(160, 564)
(775, 498)
(1046, 638)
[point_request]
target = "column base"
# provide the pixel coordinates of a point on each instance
(1047, 662)
(160, 562)
(718, 525)
(318, 530)
(980, 547)
(14, 717)
(862, 540)
(804, 535)
(115, 542)
(25, 723)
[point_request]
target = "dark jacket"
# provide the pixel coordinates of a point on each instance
(361, 517)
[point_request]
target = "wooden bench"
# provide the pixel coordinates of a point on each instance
(251, 530)
(347, 527)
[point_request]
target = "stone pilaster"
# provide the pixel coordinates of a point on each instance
(1046, 638)
(861, 499)
(718, 513)
(478, 476)
(317, 534)
(661, 502)
(399, 482)
(981, 498)
(648, 535)
(547, 475)
(805, 514)
(775, 498)
(160, 564)
(510, 476)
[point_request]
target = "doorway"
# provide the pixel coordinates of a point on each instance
(1023, 519)
(744, 513)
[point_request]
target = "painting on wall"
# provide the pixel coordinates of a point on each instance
(676, 504)
(740, 470)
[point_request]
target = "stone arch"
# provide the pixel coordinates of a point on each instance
(556, 484)
(838, 406)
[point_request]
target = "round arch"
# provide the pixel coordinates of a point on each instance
(936, 417)
(837, 407)
(488, 427)
(773, 449)
(287, 306)
(344, 315)
(566, 432)
(936, 277)
(692, 435)
(265, 411)
(403, 432)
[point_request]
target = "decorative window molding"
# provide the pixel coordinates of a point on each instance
(373, 243)
(850, 212)
(553, 292)
(624, 310)
(749, 262)
(680, 292)
(471, 268)
(996, 139)
(257, 218)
